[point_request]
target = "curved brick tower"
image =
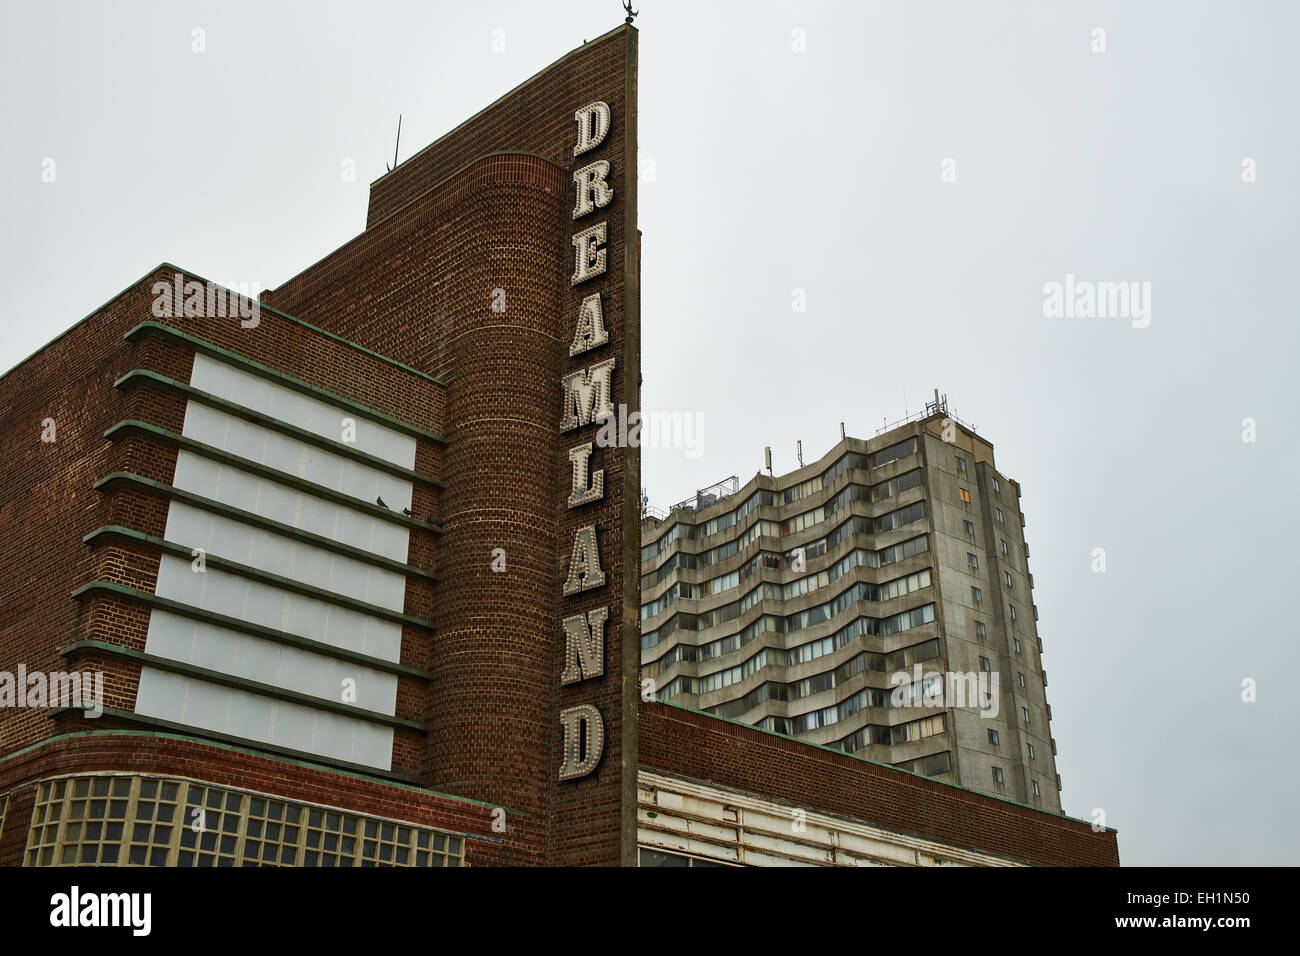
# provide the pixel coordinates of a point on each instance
(469, 270)
(489, 703)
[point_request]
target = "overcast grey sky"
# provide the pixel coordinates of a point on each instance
(821, 170)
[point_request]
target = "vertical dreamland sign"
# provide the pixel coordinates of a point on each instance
(595, 764)
(515, 236)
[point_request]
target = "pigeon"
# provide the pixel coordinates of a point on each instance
(408, 512)
(380, 501)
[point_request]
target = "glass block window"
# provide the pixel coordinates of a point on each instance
(272, 836)
(147, 821)
(331, 838)
(210, 836)
(154, 823)
(438, 849)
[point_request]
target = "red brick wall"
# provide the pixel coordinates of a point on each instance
(48, 503)
(490, 206)
(487, 207)
(162, 755)
(690, 744)
(540, 108)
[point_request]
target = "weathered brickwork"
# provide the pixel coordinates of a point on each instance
(133, 751)
(695, 745)
(490, 207)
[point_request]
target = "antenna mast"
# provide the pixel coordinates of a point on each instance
(398, 143)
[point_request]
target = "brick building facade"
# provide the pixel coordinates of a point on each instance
(360, 582)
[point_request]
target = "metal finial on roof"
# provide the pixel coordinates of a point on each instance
(631, 14)
(398, 144)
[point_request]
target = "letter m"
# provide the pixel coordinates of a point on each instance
(584, 646)
(1115, 295)
(587, 396)
(117, 909)
(964, 689)
(65, 689)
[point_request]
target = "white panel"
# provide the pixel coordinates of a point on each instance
(335, 735)
(170, 636)
(238, 490)
(362, 481)
(284, 454)
(291, 457)
(212, 648)
(347, 628)
(318, 517)
(383, 639)
(358, 530)
(196, 474)
(251, 391)
(312, 566)
(312, 674)
(292, 407)
(255, 659)
(390, 540)
(346, 576)
(262, 720)
(188, 526)
(287, 506)
(205, 424)
(377, 690)
(265, 605)
(212, 376)
(322, 468)
(244, 439)
(178, 581)
(328, 420)
(297, 409)
(269, 606)
(306, 616)
(277, 502)
(398, 448)
(224, 594)
(395, 492)
(296, 727)
(273, 553)
(386, 588)
(160, 694)
(209, 705)
(251, 715)
(230, 539)
(373, 746)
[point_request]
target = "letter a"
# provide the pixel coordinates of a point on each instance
(591, 326)
(585, 573)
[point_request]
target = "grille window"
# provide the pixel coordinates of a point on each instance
(147, 821)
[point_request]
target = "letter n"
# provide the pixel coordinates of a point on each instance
(584, 646)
